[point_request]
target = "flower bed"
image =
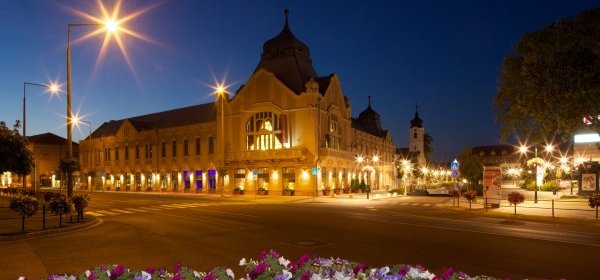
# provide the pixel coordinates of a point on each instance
(270, 265)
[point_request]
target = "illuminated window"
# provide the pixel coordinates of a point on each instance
(266, 131)
(333, 133)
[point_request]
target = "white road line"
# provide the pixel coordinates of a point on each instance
(107, 212)
(121, 211)
(427, 204)
(94, 214)
(135, 210)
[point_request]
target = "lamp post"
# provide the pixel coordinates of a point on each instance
(523, 150)
(77, 121)
(53, 88)
(111, 26)
(222, 94)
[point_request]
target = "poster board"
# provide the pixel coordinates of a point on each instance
(491, 185)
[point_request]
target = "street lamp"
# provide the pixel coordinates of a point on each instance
(76, 122)
(369, 168)
(52, 88)
(111, 26)
(221, 92)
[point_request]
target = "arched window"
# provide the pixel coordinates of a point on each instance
(266, 131)
(333, 133)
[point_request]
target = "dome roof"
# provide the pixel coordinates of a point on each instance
(288, 58)
(416, 122)
(369, 121)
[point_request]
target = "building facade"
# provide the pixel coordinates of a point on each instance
(48, 150)
(270, 136)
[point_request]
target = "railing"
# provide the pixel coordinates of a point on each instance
(566, 208)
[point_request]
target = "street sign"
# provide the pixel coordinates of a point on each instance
(454, 165)
(454, 174)
(314, 171)
(255, 172)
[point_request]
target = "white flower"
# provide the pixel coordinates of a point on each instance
(21, 278)
(373, 271)
(197, 274)
(108, 273)
(384, 270)
(283, 261)
(88, 273)
(72, 277)
(427, 275)
(286, 274)
(340, 276)
(230, 273)
(243, 262)
(146, 276)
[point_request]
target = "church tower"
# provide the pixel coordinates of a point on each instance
(417, 138)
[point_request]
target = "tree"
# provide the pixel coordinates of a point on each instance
(515, 198)
(13, 150)
(68, 166)
(427, 145)
(26, 205)
(470, 166)
(551, 80)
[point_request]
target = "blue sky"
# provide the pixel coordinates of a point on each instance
(443, 55)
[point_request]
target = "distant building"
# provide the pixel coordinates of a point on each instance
(270, 135)
(48, 150)
(415, 151)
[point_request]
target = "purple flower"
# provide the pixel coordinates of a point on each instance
(359, 267)
(274, 254)
(150, 270)
(262, 255)
(118, 271)
(303, 260)
(177, 276)
(404, 270)
(177, 267)
(448, 272)
(210, 276)
(92, 275)
(305, 276)
(258, 270)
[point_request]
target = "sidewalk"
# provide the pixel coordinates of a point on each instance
(563, 208)
(10, 223)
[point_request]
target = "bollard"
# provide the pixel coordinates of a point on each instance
(486, 205)
(44, 216)
(552, 208)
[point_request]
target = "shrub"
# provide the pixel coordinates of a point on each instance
(550, 186)
(80, 202)
(470, 195)
(594, 200)
(419, 193)
(26, 206)
(60, 206)
(399, 190)
(516, 198)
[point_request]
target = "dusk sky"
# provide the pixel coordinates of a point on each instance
(443, 55)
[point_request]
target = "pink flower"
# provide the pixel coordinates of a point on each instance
(177, 267)
(258, 270)
(303, 260)
(359, 267)
(118, 271)
(448, 272)
(305, 276)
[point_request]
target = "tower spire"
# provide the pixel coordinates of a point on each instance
(286, 12)
(369, 101)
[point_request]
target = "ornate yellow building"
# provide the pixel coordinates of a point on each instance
(269, 136)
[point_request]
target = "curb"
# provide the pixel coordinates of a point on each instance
(54, 231)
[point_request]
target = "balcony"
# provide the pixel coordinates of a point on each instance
(326, 152)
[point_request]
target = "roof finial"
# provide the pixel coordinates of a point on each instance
(369, 101)
(286, 12)
(416, 109)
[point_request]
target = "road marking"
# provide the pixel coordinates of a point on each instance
(427, 204)
(149, 208)
(415, 204)
(171, 206)
(229, 213)
(509, 234)
(107, 212)
(136, 210)
(372, 209)
(94, 214)
(121, 211)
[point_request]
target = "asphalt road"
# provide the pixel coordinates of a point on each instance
(203, 232)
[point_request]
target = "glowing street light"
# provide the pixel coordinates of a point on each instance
(549, 148)
(220, 91)
(111, 26)
(53, 88)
